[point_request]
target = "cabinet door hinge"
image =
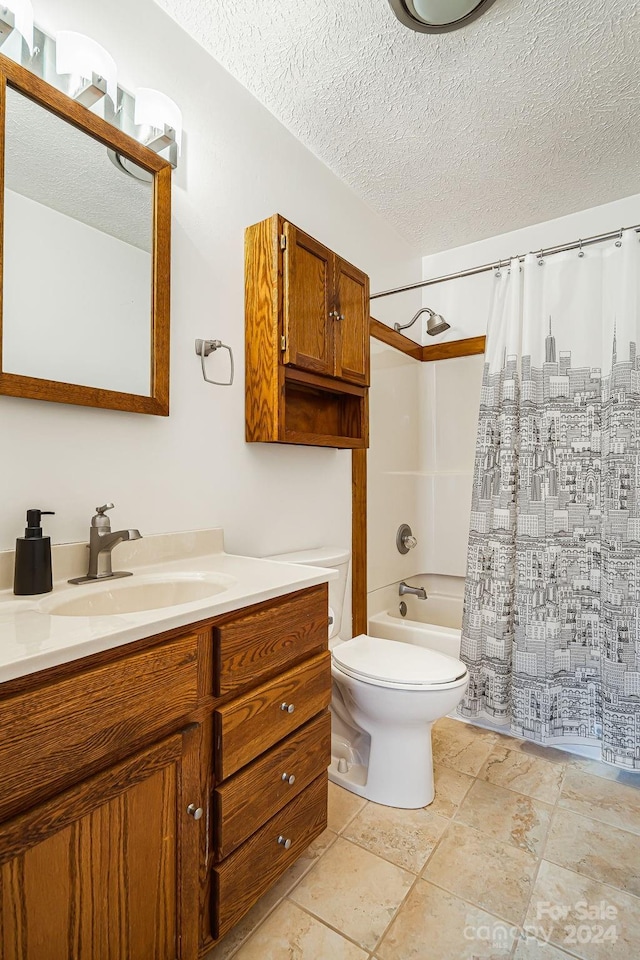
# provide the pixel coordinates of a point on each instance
(283, 241)
(283, 343)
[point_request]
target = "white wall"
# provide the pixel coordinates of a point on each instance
(76, 301)
(194, 469)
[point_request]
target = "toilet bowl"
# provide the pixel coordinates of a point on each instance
(386, 697)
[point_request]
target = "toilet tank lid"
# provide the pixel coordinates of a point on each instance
(318, 557)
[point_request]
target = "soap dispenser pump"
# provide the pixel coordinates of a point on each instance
(33, 558)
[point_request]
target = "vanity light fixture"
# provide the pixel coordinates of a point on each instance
(17, 15)
(92, 69)
(438, 16)
(159, 120)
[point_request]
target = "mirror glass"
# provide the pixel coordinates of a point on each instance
(78, 257)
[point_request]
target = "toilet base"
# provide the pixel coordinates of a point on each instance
(409, 789)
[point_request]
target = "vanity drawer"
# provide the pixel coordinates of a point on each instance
(269, 639)
(250, 724)
(249, 872)
(256, 793)
(60, 732)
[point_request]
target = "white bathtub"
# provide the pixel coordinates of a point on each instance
(434, 623)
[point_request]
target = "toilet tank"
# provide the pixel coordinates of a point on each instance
(335, 558)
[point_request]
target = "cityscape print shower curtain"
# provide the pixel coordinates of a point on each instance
(551, 626)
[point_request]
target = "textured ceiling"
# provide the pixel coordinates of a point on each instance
(527, 114)
(53, 163)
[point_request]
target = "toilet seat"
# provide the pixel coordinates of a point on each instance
(391, 663)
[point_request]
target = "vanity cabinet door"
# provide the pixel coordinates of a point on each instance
(352, 341)
(308, 303)
(109, 869)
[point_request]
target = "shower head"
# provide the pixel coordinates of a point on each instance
(435, 323)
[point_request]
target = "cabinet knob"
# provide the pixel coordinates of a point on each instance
(287, 707)
(288, 778)
(284, 842)
(341, 317)
(195, 812)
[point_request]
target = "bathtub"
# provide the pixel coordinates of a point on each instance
(434, 623)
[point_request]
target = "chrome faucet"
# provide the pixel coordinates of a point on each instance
(101, 542)
(418, 592)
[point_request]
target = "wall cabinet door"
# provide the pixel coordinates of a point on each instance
(307, 302)
(352, 326)
(109, 869)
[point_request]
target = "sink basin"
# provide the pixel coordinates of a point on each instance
(137, 595)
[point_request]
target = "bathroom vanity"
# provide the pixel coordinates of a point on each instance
(153, 790)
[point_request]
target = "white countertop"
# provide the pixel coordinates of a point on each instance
(33, 639)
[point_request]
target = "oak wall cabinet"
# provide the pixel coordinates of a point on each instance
(307, 340)
(152, 793)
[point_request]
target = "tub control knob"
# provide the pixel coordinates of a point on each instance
(287, 707)
(288, 778)
(284, 842)
(405, 539)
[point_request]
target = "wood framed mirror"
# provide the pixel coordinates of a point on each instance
(84, 254)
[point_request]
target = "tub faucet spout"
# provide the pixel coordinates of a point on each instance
(418, 592)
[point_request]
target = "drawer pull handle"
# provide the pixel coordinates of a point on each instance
(288, 778)
(284, 842)
(195, 812)
(287, 707)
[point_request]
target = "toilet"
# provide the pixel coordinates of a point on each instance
(386, 697)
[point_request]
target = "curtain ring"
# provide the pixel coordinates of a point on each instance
(619, 240)
(581, 251)
(498, 272)
(541, 258)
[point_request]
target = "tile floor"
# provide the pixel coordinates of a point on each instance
(526, 853)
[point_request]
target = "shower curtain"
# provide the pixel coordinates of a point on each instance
(551, 626)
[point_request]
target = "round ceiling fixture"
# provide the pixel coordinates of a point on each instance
(438, 16)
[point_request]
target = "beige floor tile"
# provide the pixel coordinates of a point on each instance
(451, 788)
(405, 837)
(435, 925)
(291, 933)
(354, 891)
(595, 768)
(533, 749)
(343, 806)
(532, 776)
(571, 896)
(454, 726)
(530, 949)
(461, 746)
(595, 850)
(601, 799)
(493, 875)
(505, 815)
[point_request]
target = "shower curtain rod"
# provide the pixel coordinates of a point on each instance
(576, 245)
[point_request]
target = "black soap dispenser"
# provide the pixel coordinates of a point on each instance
(33, 558)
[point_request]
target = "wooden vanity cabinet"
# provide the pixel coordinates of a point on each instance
(307, 340)
(143, 794)
(109, 868)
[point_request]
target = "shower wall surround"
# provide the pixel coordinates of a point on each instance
(424, 415)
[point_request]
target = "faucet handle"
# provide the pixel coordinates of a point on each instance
(103, 509)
